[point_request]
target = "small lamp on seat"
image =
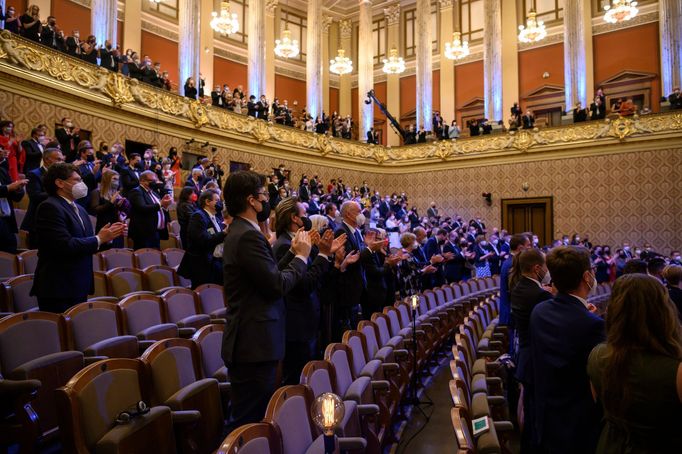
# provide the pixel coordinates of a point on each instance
(327, 412)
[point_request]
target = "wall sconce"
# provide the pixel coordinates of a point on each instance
(525, 186)
(488, 198)
(545, 75)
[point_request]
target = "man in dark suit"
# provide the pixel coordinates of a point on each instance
(108, 57)
(10, 191)
(433, 250)
(263, 108)
(89, 170)
(68, 138)
(37, 194)
(528, 120)
(314, 206)
(33, 150)
(330, 213)
(304, 191)
(385, 207)
(532, 289)
(378, 268)
(66, 242)
(252, 107)
(302, 302)
(563, 332)
(216, 97)
(254, 337)
(675, 99)
(353, 280)
(195, 180)
(149, 216)
(130, 175)
(48, 34)
(370, 136)
(517, 244)
(432, 212)
(453, 268)
(206, 231)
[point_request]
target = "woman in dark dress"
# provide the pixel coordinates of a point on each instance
(109, 206)
(409, 271)
(190, 88)
(30, 23)
(186, 206)
(598, 260)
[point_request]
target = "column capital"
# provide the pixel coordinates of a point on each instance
(345, 27)
(270, 7)
(443, 4)
(326, 23)
(392, 14)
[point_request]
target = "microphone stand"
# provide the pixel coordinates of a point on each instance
(414, 400)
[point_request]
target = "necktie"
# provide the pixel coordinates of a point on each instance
(74, 207)
(358, 238)
(161, 220)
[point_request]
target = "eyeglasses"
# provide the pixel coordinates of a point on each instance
(267, 196)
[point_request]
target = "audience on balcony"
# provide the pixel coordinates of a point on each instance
(598, 109)
(675, 99)
(30, 23)
(579, 114)
(11, 20)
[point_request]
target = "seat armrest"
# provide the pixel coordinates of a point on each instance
(496, 400)
(186, 332)
(488, 353)
(352, 443)
(357, 389)
(390, 367)
(219, 321)
(367, 409)
(13, 387)
(224, 387)
(93, 359)
(380, 385)
(503, 426)
(144, 345)
(384, 354)
(184, 417)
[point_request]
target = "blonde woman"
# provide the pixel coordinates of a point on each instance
(109, 205)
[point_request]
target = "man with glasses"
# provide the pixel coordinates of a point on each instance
(66, 242)
(254, 338)
(563, 332)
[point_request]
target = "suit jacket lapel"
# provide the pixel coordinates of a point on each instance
(73, 216)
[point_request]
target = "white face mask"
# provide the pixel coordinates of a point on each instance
(546, 279)
(79, 190)
(484, 243)
(593, 288)
(360, 220)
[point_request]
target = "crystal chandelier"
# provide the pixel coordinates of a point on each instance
(225, 22)
(341, 64)
(394, 64)
(286, 47)
(534, 30)
(457, 49)
(620, 11)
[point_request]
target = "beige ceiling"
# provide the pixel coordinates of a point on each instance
(345, 9)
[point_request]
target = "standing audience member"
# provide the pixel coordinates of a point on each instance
(563, 332)
(186, 206)
(10, 142)
(130, 175)
(36, 192)
(149, 216)
(108, 205)
(673, 279)
(254, 337)
(33, 150)
(12, 23)
(10, 191)
(66, 242)
(517, 244)
(30, 23)
(636, 375)
(68, 137)
(190, 88)
(201, 263)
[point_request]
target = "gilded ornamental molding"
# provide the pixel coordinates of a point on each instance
(46, 66)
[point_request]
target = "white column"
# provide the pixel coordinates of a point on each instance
(345, 29)
(103, 15)
(324, 61)
(392, 14)
(256, 31)
(189, 42)
(132, 27)
(447, 67)
(313, 66)
(271, 24)
(365, 69)
(575, 85)
(423, 39)
(670, 29)
(492, 59)
(510, 57)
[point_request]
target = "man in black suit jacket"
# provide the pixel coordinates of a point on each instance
(37, 194)
(254, 337)
(378, 268)
(89, 169)
(353, 281)
(330, 213)
(302, 302)
(304, 191)
(216, 98)
(10, 191)
(149, 216)
(563, 332)
(370, 136)
(314, 206)
(531, 290)
(206, 231)
(130, 175)
(454, 268)
(68, 138)
(33, 150)
(108, 57)
(252, 107)
(66, 242)
(528, 120)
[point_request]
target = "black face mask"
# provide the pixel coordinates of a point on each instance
(441, 242)
(219, 207)
(90, 158)
(158, 186)
(264, 213)
(307, 223)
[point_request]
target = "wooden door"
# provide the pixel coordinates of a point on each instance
(529, 215)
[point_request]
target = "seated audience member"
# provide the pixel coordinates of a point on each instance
(201, 263)
(33, 150)
(30, 23)
(66, 242)
(108, 205)
(187, 205)
(10, 191)
(675, 99)
(149, 216)
(532, 288)
(635, 266)
(254, 286)
(597, 109)
(636, 375)
(190, 88)
(36, 192)
(579, 114)
(563, 332)
(673, 279)
(11, 19)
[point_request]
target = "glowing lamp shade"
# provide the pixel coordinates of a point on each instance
(415, 302)
(327, 412)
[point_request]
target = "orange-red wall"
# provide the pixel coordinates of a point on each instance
(534, 62)
(635, 48)
(230, 73)
(380, 93)
(70, 16)
(408, 94)
(291, 90)
(333, 100)
(468, 85)
(164, 51)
